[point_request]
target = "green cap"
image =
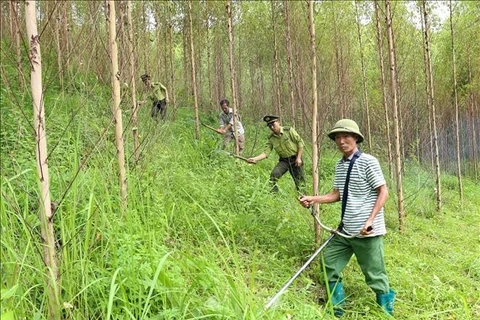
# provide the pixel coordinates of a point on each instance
(346, 125)
(270, 119)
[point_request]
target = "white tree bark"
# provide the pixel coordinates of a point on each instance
(383, 85)
(194, 80)
(393, 93)
(117, 112)
(232, 73)
(457, 122)
(136, 144)
(314, 114)
(429, 71)
(46, 214)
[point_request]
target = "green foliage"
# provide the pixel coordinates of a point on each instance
(203, 237)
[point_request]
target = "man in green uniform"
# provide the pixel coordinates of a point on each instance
(360, 185)
(158, 94)
(289, 146)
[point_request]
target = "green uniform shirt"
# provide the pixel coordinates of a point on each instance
(286, 144)
(157, 92)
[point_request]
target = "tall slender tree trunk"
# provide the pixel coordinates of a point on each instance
(172, 66)
(338, 63)
(209, 57)
(457, 122)
(12, 15)
(66, 29)
(276, 81)
(145, 37)
(14, 18)
(131, 50)
(314, 115)
(474, 111)
(364, 78)
(393, 93)
(289, 62)
(238, 73)
(384, 86)
(232, 71)
(427, 93)
(194, 81)
(45, 212)
(186, 51)
(432, 106)
(116, 111)
(58, 40)
(219, 84)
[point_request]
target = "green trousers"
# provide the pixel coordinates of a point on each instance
(369, 253)
(288, 164)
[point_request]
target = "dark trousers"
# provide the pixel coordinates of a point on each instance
(159, 106)
(284, 165)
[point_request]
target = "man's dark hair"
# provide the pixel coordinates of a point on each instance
(224, 101)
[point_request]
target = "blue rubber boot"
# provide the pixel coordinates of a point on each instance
(386, 301)
(337, 297)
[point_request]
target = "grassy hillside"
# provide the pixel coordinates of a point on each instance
(203, 238)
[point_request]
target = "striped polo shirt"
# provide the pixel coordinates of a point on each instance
(365, 177)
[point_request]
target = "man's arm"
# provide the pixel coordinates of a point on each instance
(225, 129)
(298, 161)
(260, 157)
(382, 197)
(331, 197)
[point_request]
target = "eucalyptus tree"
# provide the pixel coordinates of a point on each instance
(314, 114)
(232, 70)
(341, 19)
(7, 17)
(457, 122)
(131, 54)
(467, 64)
(364, 76)
(116, 110)
(288, 44)
(393, 96)
(208, 53)
(15, 30)
(171, 45)
(431, 99)
(194, 81)
(46, 214)
(276, 78)
(58, 41)
(383, 85)
(259, 58)
(407, 39)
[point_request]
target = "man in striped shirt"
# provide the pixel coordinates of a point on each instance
(363, 195)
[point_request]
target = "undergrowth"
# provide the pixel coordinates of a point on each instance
(202, 237)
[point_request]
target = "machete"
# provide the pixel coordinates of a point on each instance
(235, 156)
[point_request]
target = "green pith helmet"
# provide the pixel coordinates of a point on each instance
(346, 125)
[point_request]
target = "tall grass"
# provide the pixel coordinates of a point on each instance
(203, 238)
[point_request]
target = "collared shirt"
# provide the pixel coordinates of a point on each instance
(157, 92)
(227, 118)
(366, 176)
(286, 143)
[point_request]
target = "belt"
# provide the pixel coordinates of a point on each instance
(294, 157)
